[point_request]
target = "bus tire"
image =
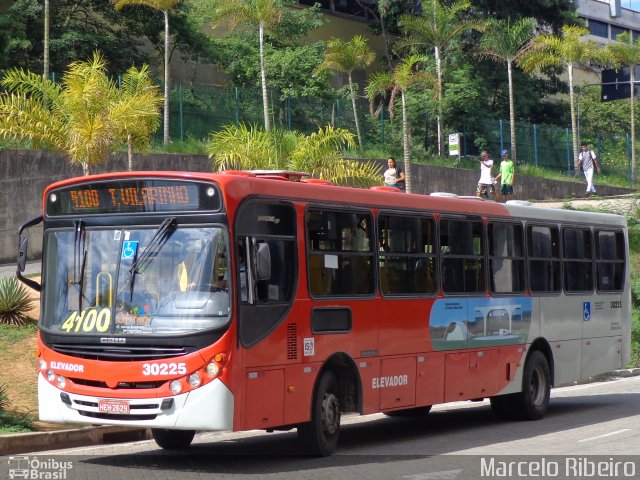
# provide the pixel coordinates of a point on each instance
(320, 435)
(173, 439)
(533, 401)
(410, 412)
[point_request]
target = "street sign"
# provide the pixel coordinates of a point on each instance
(454, 144)
(616, 84)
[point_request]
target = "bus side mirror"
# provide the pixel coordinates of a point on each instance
(23, 248)
(263, 262)
(22, 253)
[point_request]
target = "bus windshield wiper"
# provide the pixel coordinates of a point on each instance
(79, 259)
(158, 240)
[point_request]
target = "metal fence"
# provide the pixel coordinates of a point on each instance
(197, 111)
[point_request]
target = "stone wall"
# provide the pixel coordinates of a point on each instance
(26, 173)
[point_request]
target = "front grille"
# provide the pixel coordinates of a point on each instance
(130, 385)
(118, 353)
(110, 416)
(148, 406)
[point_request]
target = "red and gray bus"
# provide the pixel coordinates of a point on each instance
(187, 302)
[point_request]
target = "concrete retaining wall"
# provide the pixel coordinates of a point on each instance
(26, 173)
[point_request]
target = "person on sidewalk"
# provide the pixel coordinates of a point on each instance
(486, 184)
(393, 175)
(587, 158)
(506, 176)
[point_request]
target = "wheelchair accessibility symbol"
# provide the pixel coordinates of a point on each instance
(586, 311)
(129, 250)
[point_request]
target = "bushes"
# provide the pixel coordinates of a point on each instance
(12, 422)
(14, 302)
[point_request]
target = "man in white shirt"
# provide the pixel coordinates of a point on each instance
(587, 158)
(486, 184)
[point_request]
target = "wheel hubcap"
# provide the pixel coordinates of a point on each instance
(330, 414)
(537, 387)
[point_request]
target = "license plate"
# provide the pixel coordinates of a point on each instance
(120, 407)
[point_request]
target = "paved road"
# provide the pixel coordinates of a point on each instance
(586, 423)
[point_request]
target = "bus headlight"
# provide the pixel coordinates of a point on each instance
(212, 369)
(50, 375)
(62, 382)
(175, 386)
(194, 380)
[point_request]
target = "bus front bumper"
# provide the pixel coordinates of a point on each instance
(209, 407)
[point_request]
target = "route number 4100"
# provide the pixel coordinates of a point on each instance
(90, 320)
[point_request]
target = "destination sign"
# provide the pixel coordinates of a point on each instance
(133, 196)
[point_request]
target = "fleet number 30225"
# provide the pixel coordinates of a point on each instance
(164, 368)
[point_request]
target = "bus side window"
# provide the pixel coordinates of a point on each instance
(340, 252)
(544, 258)
(407, 261)
(610, 260)
(462, 255)
(506, 261)
(578, 259)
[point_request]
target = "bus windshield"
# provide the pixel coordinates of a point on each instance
(163, 280)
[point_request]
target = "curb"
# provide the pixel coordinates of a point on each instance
(80, 437)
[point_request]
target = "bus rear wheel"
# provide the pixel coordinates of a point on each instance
(536, 387)
(320, 435)
(173, 439)
(532, 402)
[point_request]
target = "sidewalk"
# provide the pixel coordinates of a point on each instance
(9, 269)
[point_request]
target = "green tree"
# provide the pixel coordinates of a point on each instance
(438, 27)
(405, 75)
(165, 6)
(264, 14)
(345, 57)
(253, 148)
(567, 50)
(74, 117)
(17, 40)
(135, 110)
(626, 53)
(553, 14)
(504, 41)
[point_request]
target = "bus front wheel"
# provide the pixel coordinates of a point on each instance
(320, 435)
(173, 439)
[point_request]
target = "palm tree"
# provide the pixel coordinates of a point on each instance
(261, 13)
(74, 117)
(438, 27)
(135, 110)
(253, 148)
(503, 41)
(45, 60)
(399, 81)
(566, 50)
(626, 53)
(345, 57)
(164, 6)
